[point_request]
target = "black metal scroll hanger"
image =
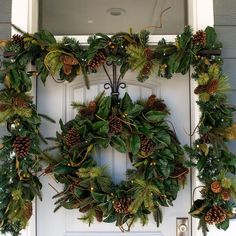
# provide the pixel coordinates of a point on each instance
(114, 81)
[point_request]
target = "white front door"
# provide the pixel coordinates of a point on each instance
(55, 100)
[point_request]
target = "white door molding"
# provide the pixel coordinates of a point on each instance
(25, 16)
(200, 15)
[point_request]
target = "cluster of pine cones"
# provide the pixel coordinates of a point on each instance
(215, 215)
(122, 205)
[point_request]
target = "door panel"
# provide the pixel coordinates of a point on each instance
(55, 100)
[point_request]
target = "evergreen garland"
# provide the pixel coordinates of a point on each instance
(65, 60)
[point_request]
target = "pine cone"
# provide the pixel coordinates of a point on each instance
(28, 210)
(225, 194)
(122, 205)
(216, 186)
(199, 38)
(18, 40)
(146, 70)
(148, 53)
(21, 146)
(88, 111)
(200, 89)
(206, 139)
(115, 124)
(72, 137)
(147, 146)
(98, 60)
(155, 104)
(212, 86)
(19, 102)
(215, 215)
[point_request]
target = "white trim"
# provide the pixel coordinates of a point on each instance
(25, 16)
(137, 233)
(153, 39)
(200, 15)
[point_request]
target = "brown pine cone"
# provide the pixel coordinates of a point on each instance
(98, 60)
(200, 89)
(122, 205)
(215, 215)
(72, 137)
(155, 104)
(19, 102)
(148, 53)
(90, 110)
(212, 86)
(28, 210)
(18, 39)
(115, 124)
(21, 146)
(146, 70)
(147, 146)
(206, 139)
(225, 194)
(199, 38)
(216, 186)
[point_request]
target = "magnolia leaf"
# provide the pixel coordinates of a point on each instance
(119, 144)
(52, 61)
(155, 116)
(98, 197)
(210, 37)
(101, 127)
(136, 110)
(126, 103)
(134, 143)
(104, 107)
(111, 218)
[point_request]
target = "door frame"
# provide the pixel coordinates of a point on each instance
(200, 14)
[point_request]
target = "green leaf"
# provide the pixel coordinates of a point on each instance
(136, 110)
(45, 35)
(155, 116)
(210, 37)
(98, 197)
(104, 107)
(102, 142)
(126, 103)
(101, 127)
(111, 218)
(78, 192)
(224, 225)
(201, 162)
(62, 169)
(134, 143)
(119, 144)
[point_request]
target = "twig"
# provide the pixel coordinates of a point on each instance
(53, 188)
(161, 18)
